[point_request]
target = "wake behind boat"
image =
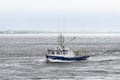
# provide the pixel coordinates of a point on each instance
(63, 54)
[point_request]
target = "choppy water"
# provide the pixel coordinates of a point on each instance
(22, 58)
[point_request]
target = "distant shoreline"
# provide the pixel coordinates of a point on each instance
(51, 32)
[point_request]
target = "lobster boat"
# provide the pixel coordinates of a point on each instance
(63, 54)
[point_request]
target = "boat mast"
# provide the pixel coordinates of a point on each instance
(60, 37)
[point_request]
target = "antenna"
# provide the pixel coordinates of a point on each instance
(58, 25)
(64, 24)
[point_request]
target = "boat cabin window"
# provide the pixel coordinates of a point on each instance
(57, 52)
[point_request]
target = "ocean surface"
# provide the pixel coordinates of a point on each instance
(22, 57)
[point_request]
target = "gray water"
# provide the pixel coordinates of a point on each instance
(22, 58)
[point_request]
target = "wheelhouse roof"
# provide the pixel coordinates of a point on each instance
(58, 50)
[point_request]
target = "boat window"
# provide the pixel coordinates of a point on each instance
(52, 52)
(57, 52)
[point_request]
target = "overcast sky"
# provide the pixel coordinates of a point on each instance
(80, 15)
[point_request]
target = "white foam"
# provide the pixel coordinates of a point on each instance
(51, 60)
(101, 58)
